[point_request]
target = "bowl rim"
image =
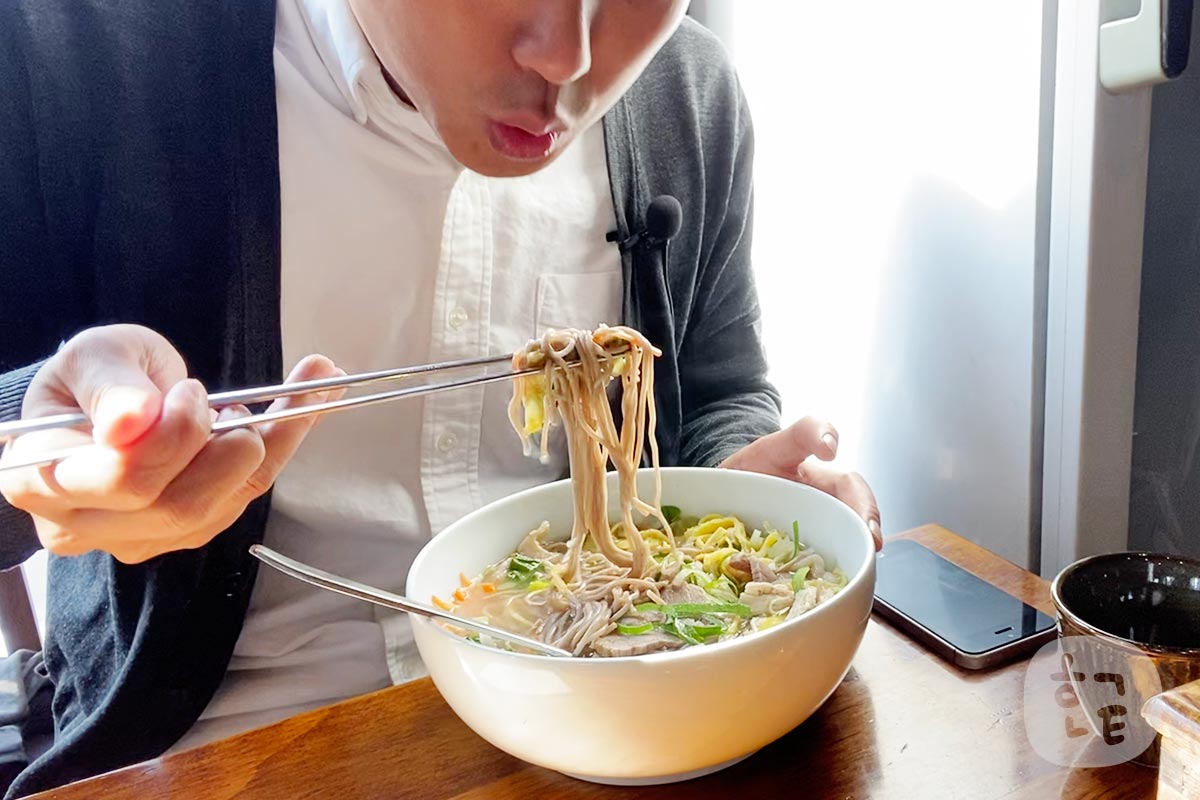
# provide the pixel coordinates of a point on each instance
(673, 656)
(1070, 616)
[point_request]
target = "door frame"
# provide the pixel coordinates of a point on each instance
(1096, 211)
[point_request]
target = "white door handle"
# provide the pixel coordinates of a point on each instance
(1147, 48)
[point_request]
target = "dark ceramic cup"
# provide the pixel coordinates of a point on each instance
(1139, 614)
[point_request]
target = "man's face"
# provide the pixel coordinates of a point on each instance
(508, 84)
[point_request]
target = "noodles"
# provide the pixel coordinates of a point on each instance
(578, 367)
(722, 580)
(640, 585)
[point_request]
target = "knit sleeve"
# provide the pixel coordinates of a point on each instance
(727, 400)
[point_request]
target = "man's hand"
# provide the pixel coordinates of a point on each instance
(789, 454)
(153, 479)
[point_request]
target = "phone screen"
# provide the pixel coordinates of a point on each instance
(950, 602)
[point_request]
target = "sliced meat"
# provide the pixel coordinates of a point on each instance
(805, 601)
(532, 546)
(616, 644)
(761, 570)
(767, 599)
(813, 561)
(747, 567)
(685, 593)
(738, 567)
(824, 593)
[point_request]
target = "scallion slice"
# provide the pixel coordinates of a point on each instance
(798, 578)
(696, 609)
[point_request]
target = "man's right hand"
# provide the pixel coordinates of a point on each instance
(153, 479)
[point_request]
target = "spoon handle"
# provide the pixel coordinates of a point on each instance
(336, 583)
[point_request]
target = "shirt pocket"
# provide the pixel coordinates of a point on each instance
(581, 300)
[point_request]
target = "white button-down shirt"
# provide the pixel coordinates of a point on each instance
(394, 254)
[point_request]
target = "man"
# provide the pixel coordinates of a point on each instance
(196, 193)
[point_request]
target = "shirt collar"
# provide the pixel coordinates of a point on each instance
(358, 75)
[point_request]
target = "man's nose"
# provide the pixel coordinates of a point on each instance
(556, 41)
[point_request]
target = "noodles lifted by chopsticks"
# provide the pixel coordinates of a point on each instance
(625, 590)
(578, 365)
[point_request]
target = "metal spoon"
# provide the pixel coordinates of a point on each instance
(336, 583)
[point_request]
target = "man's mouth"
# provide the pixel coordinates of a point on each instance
(524, 137)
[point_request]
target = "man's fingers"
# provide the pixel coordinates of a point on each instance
(215, 478)
(58, 538)
(814, 437)
(283, 438)
(330, 395)
(148, 478)
(117, 376)
(132, 478)
(850, 488)
(226, 516)
(123, 412)
(206, 493)
(782, 453)
(29, 489)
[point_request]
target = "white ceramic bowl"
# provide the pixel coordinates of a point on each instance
(662, 717)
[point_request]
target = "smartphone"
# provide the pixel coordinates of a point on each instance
(962, 618)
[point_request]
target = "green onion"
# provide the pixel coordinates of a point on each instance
(723, 589)
(538, 585)
(798, 578)
(681, 630)
(696, 609)
(693, 632)
(522, 569)
(633, 629)
(706, 630)
(672, 513)
(795, 538)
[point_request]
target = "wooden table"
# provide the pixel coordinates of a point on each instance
(902, 725)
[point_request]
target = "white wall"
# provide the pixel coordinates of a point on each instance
(896, 176)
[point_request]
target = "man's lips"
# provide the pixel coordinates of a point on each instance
(524, 137)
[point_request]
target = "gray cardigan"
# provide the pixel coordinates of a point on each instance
(139, 183)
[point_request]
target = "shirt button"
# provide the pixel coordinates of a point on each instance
(447, 442)
(458, 317)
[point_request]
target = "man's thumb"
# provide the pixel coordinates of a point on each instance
(123, 405)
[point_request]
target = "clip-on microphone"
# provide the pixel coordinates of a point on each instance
(664, 218)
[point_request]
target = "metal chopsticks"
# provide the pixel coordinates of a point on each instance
(11, 430)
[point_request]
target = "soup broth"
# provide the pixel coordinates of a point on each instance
(719, 581)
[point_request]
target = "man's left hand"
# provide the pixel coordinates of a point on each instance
(795, 453)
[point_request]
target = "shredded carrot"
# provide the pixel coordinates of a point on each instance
(440, 603)
(462, 578)
(488, 588)
(459, 596)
